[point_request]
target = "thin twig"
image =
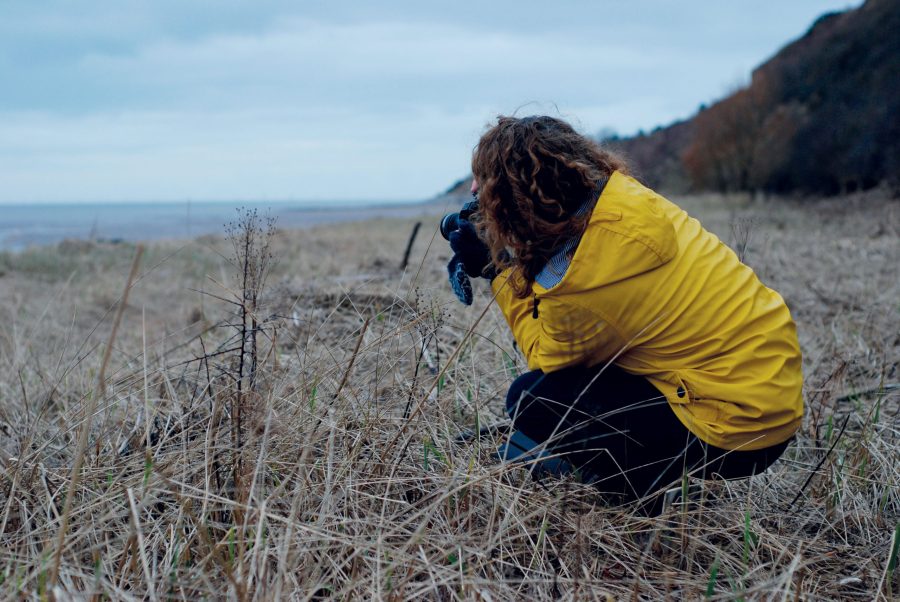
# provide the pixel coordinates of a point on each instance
(148, 576)
(359, 340)
(815, 470)
(75, 476)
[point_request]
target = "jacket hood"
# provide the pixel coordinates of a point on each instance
(628, 234)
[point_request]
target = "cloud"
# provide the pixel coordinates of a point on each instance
(369, 64)
(232, 155)
(169, 100)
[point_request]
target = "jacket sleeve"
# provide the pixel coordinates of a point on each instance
(559, 334)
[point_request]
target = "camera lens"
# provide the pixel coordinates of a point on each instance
(449, 223)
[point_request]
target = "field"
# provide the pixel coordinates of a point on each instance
(282, 421)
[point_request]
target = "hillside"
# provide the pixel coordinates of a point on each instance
(818, 117)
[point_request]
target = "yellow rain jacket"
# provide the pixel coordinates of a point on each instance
(651, 290)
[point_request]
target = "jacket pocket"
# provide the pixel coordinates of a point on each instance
(607, 215)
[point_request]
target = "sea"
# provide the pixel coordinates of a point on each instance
(40, 224)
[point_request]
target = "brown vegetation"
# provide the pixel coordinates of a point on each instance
(819, 117)
(345, 479)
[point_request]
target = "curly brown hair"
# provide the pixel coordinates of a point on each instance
(534, 174)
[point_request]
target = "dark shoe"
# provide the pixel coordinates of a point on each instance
(522, 449)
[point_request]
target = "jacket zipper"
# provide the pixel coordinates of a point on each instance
(534, 309)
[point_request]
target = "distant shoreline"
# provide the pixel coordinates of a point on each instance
(41, 225)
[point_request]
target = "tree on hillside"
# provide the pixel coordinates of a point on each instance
(819, 117)
(769, 167)
(726, 143)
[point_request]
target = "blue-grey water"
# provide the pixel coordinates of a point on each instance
(22, 226)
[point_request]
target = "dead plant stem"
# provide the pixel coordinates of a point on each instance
(75, 476)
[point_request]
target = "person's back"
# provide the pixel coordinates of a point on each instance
(653, 350)
(669, 301)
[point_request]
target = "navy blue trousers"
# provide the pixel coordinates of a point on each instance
(619, 432)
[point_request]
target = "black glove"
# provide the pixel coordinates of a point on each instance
(471, 257)
(459, 280)
(471, 250)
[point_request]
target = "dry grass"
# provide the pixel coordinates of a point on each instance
(348, 482)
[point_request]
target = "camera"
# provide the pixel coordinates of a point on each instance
(450, 222)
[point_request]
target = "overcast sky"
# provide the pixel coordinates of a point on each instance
(318, 100)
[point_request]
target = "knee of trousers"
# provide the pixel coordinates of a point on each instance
(519, 387)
